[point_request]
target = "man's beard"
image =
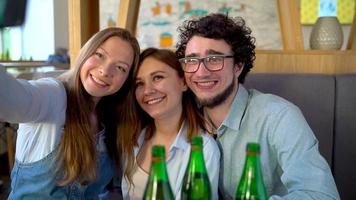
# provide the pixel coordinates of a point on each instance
(218, 99)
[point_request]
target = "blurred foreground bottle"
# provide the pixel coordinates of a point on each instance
(158, 187)
(6, 44)
(196, 184)
(251, 186)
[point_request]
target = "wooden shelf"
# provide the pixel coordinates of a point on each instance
(305, 61)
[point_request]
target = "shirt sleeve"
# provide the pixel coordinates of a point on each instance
(29, 101)
(212, 162)
(304, 172)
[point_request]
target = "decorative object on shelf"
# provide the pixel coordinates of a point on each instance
(326, 34)
(110, 22)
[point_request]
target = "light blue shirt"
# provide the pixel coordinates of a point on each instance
(292, 166)
(179, 157)
(40, 108)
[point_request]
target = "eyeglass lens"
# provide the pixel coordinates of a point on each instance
(212, 63)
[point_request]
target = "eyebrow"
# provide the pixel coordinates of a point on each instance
(103, 50)
(192, 55)
(118, 62)
(207, 52)
(152, 74)
(211, 51)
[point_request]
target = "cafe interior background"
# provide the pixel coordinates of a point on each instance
(45, 32)
(46, 25)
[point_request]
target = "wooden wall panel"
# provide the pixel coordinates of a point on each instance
(128, 14)
(83, 21)
(305, 61)
(351, 45)
(289, 19)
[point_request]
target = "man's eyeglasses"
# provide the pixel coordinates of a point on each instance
(211, 62)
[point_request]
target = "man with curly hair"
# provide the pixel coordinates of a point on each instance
(216, 53)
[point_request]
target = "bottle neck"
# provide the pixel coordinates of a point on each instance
(158, 169)
(251, 184)
(252, 162)
(197, 159)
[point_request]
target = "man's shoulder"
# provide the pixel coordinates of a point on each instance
(267, 102)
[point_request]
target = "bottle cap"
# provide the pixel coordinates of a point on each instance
(253, 148)
(158, 151)
(197, 141)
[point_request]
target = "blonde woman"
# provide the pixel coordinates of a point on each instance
(67, 144)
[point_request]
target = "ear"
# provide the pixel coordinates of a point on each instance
(185, 87)
(238, 69)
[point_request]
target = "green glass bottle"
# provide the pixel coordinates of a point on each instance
(158, 187)
(251, 185)
(6, 44)
(196, 184)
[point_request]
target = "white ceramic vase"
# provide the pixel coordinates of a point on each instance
(326, 34)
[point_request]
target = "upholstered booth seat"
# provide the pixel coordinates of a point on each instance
(328, 103)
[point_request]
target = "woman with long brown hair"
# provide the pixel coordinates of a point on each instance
(72, 129)
(170, 117)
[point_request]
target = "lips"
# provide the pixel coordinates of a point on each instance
(154, 101)
(98, 82)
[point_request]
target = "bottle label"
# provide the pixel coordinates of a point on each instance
(196, 148)
(251, 153)
(156, 159)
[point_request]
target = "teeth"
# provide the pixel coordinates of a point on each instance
(154, 101)
(210, 83)
(99, 81)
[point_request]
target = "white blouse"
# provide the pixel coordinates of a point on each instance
(140, 178)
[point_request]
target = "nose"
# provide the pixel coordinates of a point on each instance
(148, 89)
(106, 70)
(202, 70)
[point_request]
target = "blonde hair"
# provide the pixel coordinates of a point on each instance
(77, 149)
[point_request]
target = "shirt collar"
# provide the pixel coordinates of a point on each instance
(237, 110)
(179, 142)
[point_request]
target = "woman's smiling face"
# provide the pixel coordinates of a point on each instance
(159, 89)
(107, 69)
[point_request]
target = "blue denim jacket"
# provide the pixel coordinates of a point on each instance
(38, 180)
(292, 166)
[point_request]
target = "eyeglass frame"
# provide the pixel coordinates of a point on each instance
(204, 61)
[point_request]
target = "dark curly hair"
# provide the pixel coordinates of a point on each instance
(220, 26)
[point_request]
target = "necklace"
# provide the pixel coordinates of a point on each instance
(212, 129)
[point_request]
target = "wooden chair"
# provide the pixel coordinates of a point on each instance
(10, 141)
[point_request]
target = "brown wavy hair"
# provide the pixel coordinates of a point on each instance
(192, 115)
(78, 154)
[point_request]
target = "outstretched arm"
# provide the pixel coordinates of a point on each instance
(29, 101)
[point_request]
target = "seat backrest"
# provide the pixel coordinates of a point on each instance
(345, 136)
(312, 93)
(37, 75)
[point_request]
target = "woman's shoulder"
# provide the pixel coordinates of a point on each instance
(49, 81)
(48, 86)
